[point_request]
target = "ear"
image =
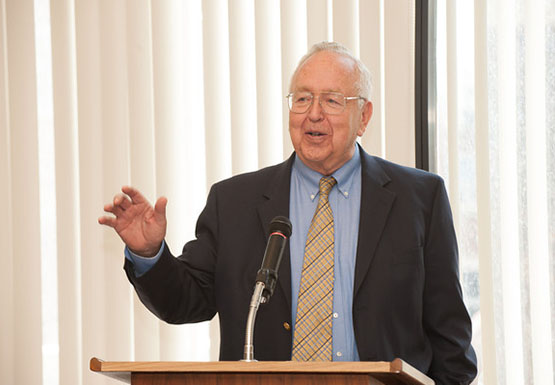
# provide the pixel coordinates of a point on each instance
(367, 110)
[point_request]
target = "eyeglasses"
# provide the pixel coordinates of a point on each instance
(332, 103)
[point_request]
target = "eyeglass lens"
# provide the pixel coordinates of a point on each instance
(331, 102)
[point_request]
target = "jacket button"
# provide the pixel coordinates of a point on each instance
(286, 326)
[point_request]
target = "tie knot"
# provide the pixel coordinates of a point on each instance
(326, 184)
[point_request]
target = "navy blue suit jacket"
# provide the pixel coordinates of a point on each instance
(407, 299)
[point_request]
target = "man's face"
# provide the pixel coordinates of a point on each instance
(322, 141)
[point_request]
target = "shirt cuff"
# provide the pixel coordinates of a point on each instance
(142, 264)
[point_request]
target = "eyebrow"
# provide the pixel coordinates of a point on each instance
(305, 89)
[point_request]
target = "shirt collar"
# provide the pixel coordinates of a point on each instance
(344, 175)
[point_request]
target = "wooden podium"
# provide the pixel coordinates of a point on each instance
(396, 372)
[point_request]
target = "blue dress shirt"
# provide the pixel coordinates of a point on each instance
(344, 200)
(143, 264)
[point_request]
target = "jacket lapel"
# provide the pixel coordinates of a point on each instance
(277, 203)
(375, 204)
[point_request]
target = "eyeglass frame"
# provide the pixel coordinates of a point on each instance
(345, 100)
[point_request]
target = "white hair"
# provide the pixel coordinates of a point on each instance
(363, 84)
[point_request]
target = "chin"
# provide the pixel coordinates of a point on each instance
(313, 157)
(317, 152)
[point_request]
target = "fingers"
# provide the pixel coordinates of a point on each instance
(122, 202)
(107, 221)
(110, 208)
(118, 206)
(160, 206)
(160, 209)
(134, 194)
(114, 209)
(130, 197)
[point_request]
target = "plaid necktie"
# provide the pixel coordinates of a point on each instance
(312, 339)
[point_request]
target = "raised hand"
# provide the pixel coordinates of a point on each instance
(141, 226)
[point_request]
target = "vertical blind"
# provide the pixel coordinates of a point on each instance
(496, 150)
(170, 97)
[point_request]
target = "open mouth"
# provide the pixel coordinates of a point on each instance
(311, 133)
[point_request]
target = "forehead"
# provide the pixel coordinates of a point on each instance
(326, 71)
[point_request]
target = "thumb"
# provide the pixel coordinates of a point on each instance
(160, 209)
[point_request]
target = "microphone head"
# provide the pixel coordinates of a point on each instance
(282, 225)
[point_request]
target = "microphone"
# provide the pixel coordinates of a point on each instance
(280, 230)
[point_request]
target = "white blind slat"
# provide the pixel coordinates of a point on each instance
(67, 191)
(194, 155)
(293, 47)
(268, 78)
(346, 24)
(399, 82)
(318, 14)
(114, 151)
(25, 192)
(94, 327)
(7, 359)
(217, 90)
(145, 326)
(483, 193)
(538, 238)
(243, 86)
(371, 23)
(508, 199)
(452, 108)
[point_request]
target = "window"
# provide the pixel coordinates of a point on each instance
(495, 147)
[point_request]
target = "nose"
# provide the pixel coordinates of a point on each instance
(315, 112)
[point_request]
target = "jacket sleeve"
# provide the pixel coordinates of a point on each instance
(445, 317)
(181, 290)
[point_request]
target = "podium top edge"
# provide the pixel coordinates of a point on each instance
(395, 367)
(98, 365)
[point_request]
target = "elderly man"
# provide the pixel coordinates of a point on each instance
(372, 268)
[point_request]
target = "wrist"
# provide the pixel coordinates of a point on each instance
(147, 253)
